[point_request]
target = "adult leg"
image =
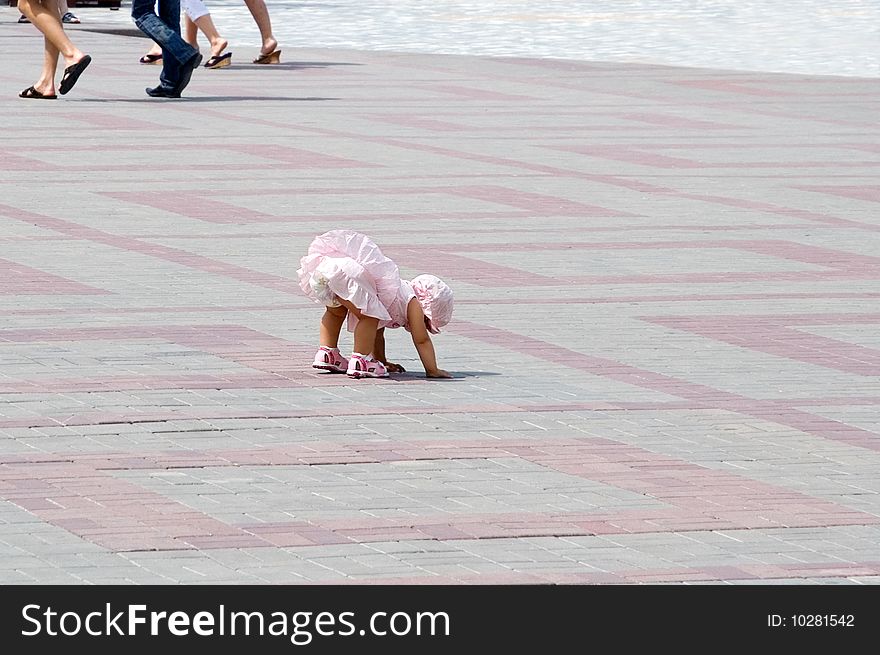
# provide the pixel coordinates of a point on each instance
(168, 12)
(260, 14)
(153, 55)
(164, 29)
(47, 19)
(46, 84)
(206, 25)
(192, 9)
(191, 33)
(198, 16)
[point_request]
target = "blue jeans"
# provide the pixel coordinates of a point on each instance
(164, 29)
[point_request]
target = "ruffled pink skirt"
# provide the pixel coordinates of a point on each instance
(347, 264)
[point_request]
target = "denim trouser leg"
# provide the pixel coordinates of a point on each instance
(164, 29)
(169, 14)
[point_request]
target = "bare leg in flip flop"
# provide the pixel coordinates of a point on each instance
(205, 25)
(47, 18)
(260, 14)
(46, 84)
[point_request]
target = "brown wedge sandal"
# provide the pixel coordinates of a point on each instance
(219, 61)
(273, 57)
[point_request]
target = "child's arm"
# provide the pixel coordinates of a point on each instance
(379, 353)
(422, 340)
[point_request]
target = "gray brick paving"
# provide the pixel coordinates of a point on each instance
(595, 218)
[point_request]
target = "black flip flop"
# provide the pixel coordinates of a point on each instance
(72, 73)
(150, 58)
(31, 92)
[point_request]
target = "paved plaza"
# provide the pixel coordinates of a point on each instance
(666, 341)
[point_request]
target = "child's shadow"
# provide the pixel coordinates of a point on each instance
(456, 375)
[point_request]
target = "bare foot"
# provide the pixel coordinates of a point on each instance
(218, 46)
(269, 45)
(47, 88)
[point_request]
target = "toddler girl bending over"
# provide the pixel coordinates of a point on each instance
(348, 274)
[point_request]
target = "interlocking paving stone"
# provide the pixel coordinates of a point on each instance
(665, 340)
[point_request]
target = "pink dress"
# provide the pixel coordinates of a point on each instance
(347, 264)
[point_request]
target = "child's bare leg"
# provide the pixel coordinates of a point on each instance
(363, 363)
(365, 334)
(331, 326)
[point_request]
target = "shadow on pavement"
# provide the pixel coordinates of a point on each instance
(457, 375)
(293, 65)
(205, 99)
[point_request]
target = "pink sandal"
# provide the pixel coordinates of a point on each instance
(363, 366)
(330, 359)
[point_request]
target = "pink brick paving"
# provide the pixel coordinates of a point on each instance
(616, 370)
(778, 335)
(219, 212)
(665, 336)
(110, 121)
(867, 193)
(133, 245)
(17, 279)
(75, 495)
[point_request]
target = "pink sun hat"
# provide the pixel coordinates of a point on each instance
(435, 297)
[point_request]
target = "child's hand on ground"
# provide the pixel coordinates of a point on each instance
(438, 373)
(391, 367)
